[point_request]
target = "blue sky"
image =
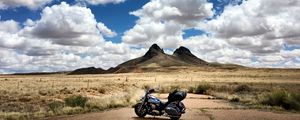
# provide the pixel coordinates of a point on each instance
(115, 16)
(55, 35)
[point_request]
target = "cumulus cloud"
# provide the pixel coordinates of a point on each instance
(261, 26)
(188, 12)
(12, 60)
(29, 23)
(290, 54)
(66, 25)
(217, 50)
(8, 40)
(106, 31)
(167, 35)
(162, 21)
(102, 2)
(64, 38)
(9, 26)
(31, 4)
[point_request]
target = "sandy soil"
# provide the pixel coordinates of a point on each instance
(199, 107)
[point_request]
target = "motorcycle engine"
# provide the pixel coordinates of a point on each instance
(153, 106)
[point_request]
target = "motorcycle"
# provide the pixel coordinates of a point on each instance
(151, 105)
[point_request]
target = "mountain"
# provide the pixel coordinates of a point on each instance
(154, 60)
(154, 57)
(89, 70)
(185, 55)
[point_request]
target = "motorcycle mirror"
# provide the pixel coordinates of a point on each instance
(151, 90)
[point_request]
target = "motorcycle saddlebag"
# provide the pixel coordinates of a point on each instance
(172, 110)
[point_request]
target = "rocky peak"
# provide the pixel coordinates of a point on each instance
(182, 51)
(153, 51)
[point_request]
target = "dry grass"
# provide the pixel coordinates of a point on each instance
(39, 96)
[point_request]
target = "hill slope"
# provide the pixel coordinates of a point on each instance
(89, 70)
(154, 58)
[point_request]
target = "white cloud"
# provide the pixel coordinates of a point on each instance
(204, 44)
(290, 53)
(65, 38)
(29, 23)
(271, 59)
(258, 25)
(9, 26)
(31, 4)
(97, 2)
(106, 31)
(167, 35)
(187, 12)
(8, 40)
(256, 28)
(291, 64)
(217, 50)
(11, 59)
(162, 21)
(66, 25)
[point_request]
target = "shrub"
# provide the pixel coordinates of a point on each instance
(234, 99)
(242, 88)
(43, 92)
(202, 88)
(224, 88)
(102, 90)
(191, 89)
(164, 89)
(55, 106)
(15, 116)
(72, 110)
(75, 101)
(283, 99)
(113, 101)
(146, 86)
(174, 87)
(65, 91)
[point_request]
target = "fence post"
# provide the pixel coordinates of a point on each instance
(18, 84)
(88, 84)
(53, 83)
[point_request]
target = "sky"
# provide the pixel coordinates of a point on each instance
(63, 35)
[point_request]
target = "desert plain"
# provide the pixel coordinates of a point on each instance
(213, 93)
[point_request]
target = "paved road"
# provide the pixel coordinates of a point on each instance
(199, 107)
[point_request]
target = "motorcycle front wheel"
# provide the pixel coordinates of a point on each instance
(174, 118)
(140, 112)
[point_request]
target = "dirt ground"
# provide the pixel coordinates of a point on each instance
(199, 107)
(23, 94)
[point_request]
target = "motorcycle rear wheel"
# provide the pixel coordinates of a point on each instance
(174, 118)
(142, 112)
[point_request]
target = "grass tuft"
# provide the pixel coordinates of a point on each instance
(76, 101)
(55, 106)
(283, 99)
(235, 99)
(242, 88)
(202, 89)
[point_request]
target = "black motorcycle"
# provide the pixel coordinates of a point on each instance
(150, 105)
